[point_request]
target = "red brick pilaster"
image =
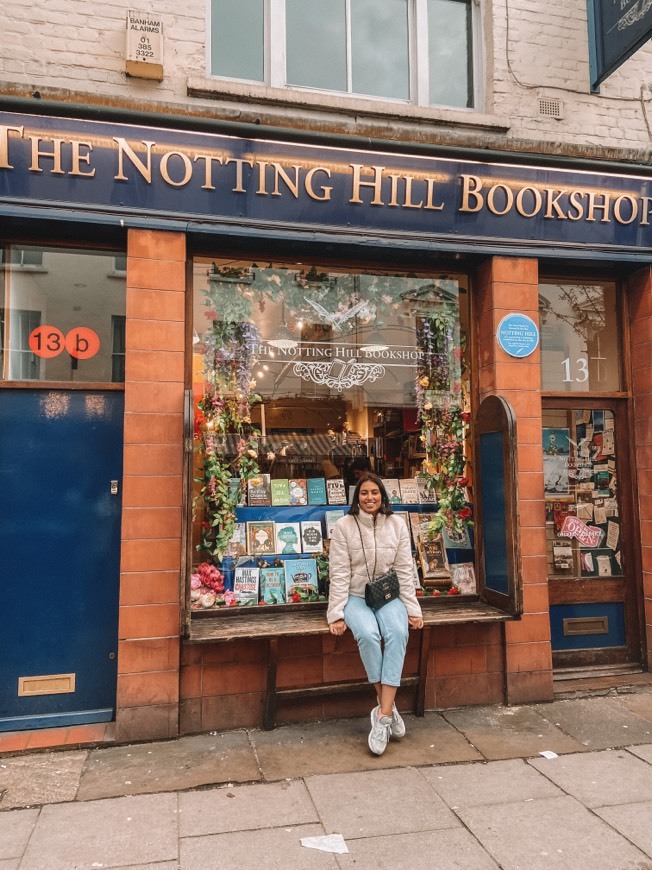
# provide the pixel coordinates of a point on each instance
(640, 312)
(148, 659)
(507, 285)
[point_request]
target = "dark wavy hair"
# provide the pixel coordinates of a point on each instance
(385, 507)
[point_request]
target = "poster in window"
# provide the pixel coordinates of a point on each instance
(556, 454)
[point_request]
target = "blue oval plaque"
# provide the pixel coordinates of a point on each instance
(518, 335)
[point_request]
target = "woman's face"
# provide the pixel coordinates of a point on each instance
(369, 497)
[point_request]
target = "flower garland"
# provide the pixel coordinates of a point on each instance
(444, 422)
(227, 439)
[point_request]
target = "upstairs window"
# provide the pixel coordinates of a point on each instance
(416, 51)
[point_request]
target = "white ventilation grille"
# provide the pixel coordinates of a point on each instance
(551, 108)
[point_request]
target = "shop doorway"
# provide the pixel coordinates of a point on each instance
(592, 572)
(60, 503)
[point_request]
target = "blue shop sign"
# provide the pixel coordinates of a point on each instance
(616, 31)
(518, 335)
(145, 176)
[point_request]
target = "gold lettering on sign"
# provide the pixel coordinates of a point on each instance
(552, 198)
(4, 144)
(124, 148)
(239, 163)
(78, 158)
(430, 185)
(357, 183)
(646, 204)
(325, 191)
(54, 155)
(633, 209)
(471, 187)
(491, 199)
(600, 206)
(187, 165)
(208, 169)
(575, 200)
(537, 198)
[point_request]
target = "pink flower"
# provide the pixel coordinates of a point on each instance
(195, 582)
(229, 598)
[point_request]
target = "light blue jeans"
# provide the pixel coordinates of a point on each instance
(382, 637)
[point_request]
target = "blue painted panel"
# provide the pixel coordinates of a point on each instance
(614, 611)
(59, 549)
(494, 516)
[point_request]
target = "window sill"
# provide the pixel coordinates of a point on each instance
(214, 89)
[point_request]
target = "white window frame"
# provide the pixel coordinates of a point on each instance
(419, 85)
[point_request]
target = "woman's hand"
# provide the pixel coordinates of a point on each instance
(337, 627)
(415, 621)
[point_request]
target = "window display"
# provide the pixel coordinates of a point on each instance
(582, 516)
(303, 377)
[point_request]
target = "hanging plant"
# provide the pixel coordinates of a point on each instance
(227, 439)
(444, 422)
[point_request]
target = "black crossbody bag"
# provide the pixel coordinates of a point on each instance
(379, 590)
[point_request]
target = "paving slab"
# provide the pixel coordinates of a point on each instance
(107, 833)
(598, 723)
(488, 782)
(273, 849)
(451, 849)
(550, 834)
(510, 732)
(41, 778)
(644, 752)
(340, 746)
(15, 830)
(639, 703)
(632, 821)
(245, 807)
(10, 864)
(600, 778)
(171, 765)
(378, 802)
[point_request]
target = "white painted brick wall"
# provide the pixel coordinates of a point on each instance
(80, 46)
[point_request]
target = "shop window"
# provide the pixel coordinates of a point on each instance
(418, 51)
(582, 518)
(58, 320)
(580, 344)
(300, 375)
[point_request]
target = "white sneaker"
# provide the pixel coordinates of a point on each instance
(381, 727)
(398, 725)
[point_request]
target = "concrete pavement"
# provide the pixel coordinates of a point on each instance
(466, 788)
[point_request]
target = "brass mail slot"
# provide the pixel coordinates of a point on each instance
(50, 684)
(586, 625)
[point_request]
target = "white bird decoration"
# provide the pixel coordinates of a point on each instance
(336, 320)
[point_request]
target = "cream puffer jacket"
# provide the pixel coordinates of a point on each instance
(389, 540)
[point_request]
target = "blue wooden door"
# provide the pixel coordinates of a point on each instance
(60, 451)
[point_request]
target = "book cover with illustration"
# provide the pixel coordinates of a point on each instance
(434, 563)
(298, 491)
(427, 495)
(409, 490)
(238, 542)
(463, 576)
(392, 489)
(288, 538)
(261, 537)
(312, 540)
(272, 585)
(301, 579)
(245, 585)
(280, 490)
(259, 491)
(418, 523)
(457, 540)
(317, 490)
(330, 518)
(336, 491)
(237, 491)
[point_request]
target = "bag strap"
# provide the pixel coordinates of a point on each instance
(363, 549)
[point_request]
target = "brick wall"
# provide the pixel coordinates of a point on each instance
(529, 50)
(506, 285)
(640, 310)
(148, 658)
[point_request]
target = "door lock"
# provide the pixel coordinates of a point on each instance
(114, 487)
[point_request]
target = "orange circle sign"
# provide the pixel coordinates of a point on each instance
(82, 342)
(46, 341)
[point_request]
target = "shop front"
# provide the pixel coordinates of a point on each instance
(243, 324)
